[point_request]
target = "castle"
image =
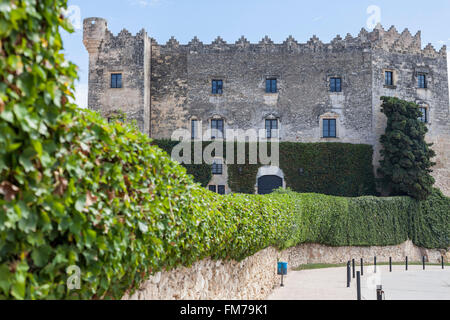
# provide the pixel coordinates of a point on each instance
(302, 92)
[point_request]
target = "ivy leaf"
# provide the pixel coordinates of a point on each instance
(80, 203)
(41, 255)
(5, 278)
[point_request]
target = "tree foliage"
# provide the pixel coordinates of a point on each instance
(406, 163)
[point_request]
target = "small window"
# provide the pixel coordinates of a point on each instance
(329, 128)
(116, 80)
(271, 126)
(221, 190)
(194, 129)
(213, 188)
(217, 86)
(217, 129)
(424, 116)
(271, 85)
(389, 78)
(217, 168)
(335, 84)
(422, 79)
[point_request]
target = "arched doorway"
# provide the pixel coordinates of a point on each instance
(269, 179)
(267, 184)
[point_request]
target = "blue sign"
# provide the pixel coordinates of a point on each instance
(282, 268)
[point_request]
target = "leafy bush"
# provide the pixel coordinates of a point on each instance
(406, 164)
(202, 173)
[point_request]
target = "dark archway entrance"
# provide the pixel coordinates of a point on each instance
(267, 184)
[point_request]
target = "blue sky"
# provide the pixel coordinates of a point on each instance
(254, 19)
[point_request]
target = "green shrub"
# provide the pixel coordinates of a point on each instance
(202, 173)
(406, 163)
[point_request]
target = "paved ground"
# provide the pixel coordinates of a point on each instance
(330, 284)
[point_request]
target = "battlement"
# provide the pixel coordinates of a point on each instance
(390, 40)
(95, 30)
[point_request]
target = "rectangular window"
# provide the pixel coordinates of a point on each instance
(116, 80)
(424, 117)
(335, 84)
(422, 81)
(389, 78)
(194, 129)
(271, 125)
(329, 128)
(217, 86)
(217, 168)
(213, 188)
(221, 190)
(271, 86)
(217, 129)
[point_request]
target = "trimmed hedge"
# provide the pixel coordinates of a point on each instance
(338, 169)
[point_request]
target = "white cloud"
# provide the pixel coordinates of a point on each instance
(81, 95)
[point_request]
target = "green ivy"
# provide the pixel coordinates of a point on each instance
(202, 173)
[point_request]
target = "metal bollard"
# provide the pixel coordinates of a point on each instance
(390, 264)
(358, 285)
(362, 267)
(348, 275)
(406, 263)
(380, 293)
(353, 268)
(375, 264)
(423, 262)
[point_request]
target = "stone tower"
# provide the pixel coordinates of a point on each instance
(127, 56)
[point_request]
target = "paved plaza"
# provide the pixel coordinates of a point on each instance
(330, 284)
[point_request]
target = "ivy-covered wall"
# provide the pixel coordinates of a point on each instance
(338, 169)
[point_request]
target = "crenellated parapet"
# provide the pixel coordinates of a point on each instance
(95, 30)
(393, 41)
(390, 41)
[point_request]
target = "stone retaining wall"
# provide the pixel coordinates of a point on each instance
(255, 277)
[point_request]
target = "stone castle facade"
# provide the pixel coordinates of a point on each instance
(306, 92)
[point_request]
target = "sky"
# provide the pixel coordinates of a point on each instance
(254, 19)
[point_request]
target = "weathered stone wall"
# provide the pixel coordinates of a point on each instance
(182, 76)
(255, 277)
